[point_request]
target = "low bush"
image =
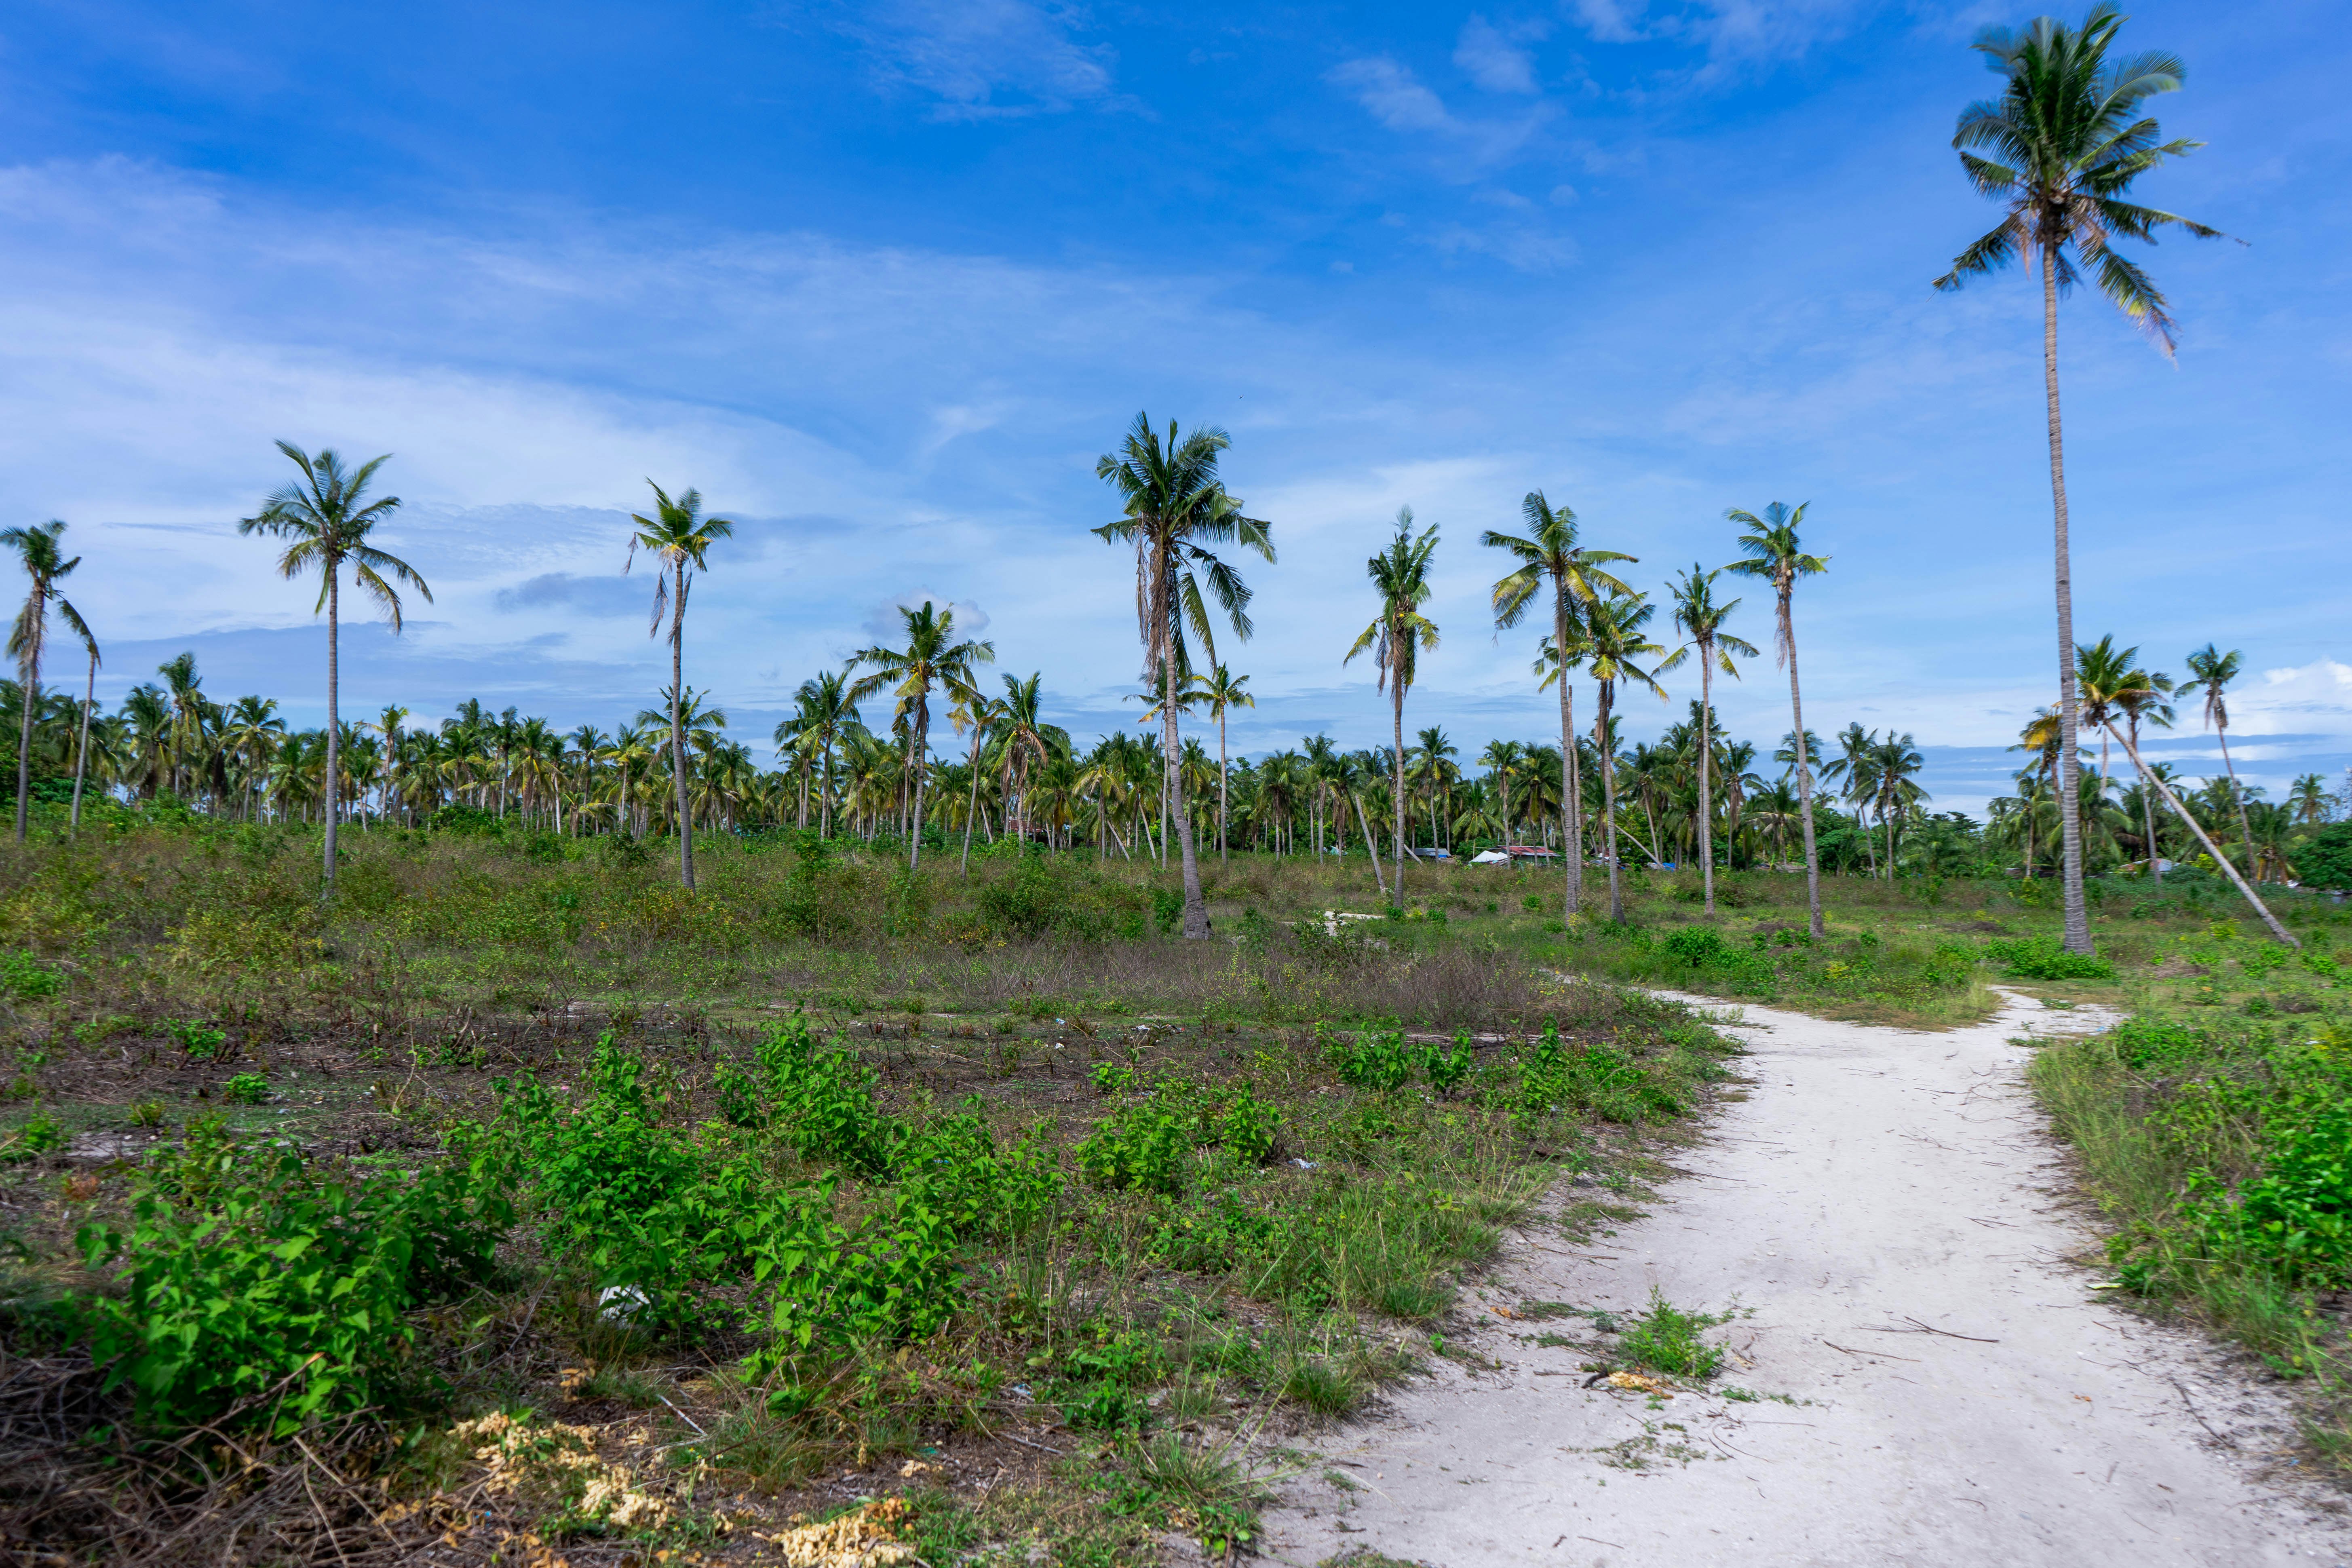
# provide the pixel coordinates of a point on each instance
(2044, 957)
(248, 1283)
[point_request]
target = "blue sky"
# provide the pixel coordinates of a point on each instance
(883, 280)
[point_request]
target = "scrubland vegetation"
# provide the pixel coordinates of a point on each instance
(517, 1202)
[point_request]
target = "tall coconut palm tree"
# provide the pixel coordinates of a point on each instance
(1548, 552)
(823, 713)
(932, 659)
(1895, 763)
(679, 539)
(1701, 620)
(2210, 671)
(2066, 139)
(1437, 770)
(36, 550)
(1400, 575)
(1222, 690)
(2309, 799)
(326, 518)
(1616, 647)
(1776, 556)
(1173, 508)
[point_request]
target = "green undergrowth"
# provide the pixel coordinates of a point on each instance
(722, 1256)
(2219, 1143)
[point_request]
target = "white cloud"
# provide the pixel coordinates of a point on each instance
(1494, 62)
(2313, 698)
(1611, 21)
(1393, 95)
(887, 624)
(990, 59)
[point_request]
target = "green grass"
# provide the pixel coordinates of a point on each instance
(2214, 1136)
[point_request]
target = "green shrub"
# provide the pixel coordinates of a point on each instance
(198, 1038)
(277, 1283)
(1448, 1066)
(37, 1135)
(2325, 859)
(246, 1088)
(2045, 958)
(24, 977)
(2297, 1214)
(1143, 1146)
(1381, 1060)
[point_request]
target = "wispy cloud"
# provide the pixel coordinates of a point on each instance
(1466, 145)
(989, 59)
(1495, 60)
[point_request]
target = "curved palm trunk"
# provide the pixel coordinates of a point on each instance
(36, 613)
(334, 781)
(1572, 803)
(1706, 756)
(2070, 826)
(82, 751)
(1371, 845)
(1804, 769)
(2148, 779)
(677, 727)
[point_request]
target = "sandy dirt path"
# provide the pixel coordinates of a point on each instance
(1874, 1179)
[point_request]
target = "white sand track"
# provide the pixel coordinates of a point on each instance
(1874, 1179)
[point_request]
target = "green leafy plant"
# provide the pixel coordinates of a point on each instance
(36, 1135)
(199, 1039)
(267, 1290)
(1666, 1339)
(24, 977)
(246, 1088)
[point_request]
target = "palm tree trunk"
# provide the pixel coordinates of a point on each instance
(2147, 820)
(1804, 768)
(1609, 807)
(971, 806)
(918, 745)
(1396, 708)
(1171, 789)
(1223, 857)
(36, 613)
(677, 727)
(334, 714)
(2220, 733)
(2149, 780)
(82, 751)
(1706, 755)
(2078, 920)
